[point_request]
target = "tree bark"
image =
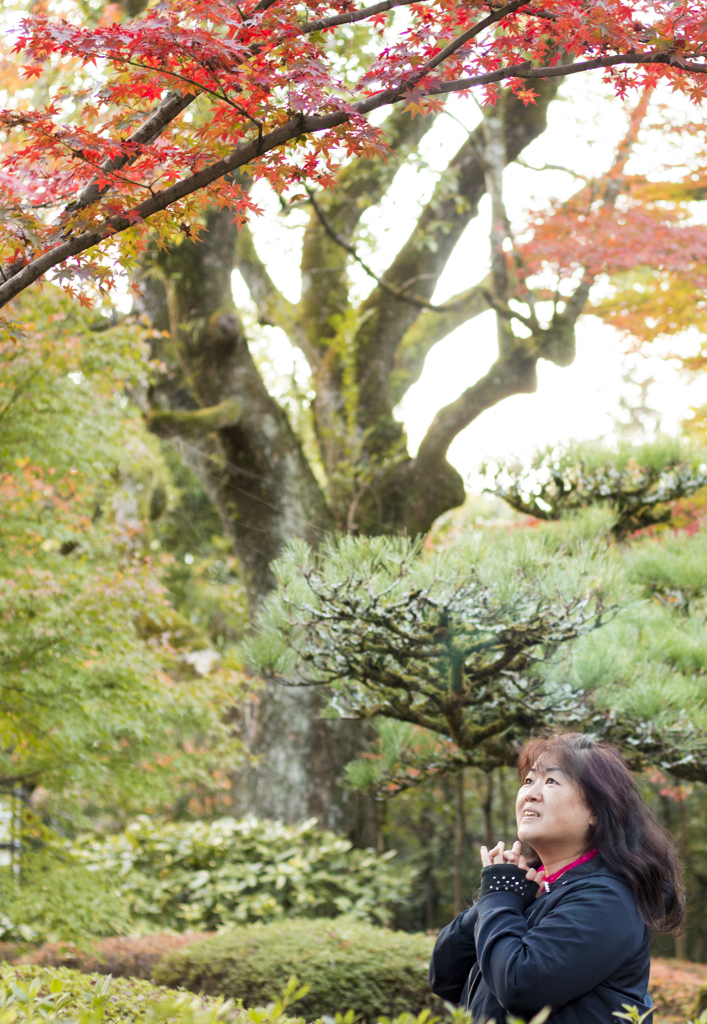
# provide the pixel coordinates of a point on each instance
(239, 441)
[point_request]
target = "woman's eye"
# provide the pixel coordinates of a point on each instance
(551, 780)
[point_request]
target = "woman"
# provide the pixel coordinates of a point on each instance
(568, 924)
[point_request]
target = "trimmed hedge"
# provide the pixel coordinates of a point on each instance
(347, 964)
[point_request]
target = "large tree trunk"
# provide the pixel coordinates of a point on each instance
(213, 398)
(238, 440)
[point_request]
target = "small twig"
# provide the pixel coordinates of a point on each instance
(552, 167)
(506, 312)
(413, 300)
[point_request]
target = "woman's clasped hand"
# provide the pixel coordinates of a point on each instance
(500, 855)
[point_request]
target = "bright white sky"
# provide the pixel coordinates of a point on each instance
(579, 401)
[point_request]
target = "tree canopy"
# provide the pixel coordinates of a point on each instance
(98, 703)
(189, 93)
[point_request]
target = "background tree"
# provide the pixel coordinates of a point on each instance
(348, 466)
(639, 484)
(101, 707)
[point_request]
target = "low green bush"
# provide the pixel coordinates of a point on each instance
(204, 875)
(58, 899)
(47, 993)
(348, 965)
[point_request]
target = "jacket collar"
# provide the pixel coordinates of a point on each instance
(590, 867)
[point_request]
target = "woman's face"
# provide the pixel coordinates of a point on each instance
(551, 811)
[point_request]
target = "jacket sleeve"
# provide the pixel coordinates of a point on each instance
(453, 957)
(576, 946)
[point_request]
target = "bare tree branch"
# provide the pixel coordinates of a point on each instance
(513, 375)
(272, 306)
(425, 254)
(396, 293)
(359, 185)
(430, 328)
(197, 422)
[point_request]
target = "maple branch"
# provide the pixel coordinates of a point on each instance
(307, 28)
(470, 33)
(171, 106)
(19, 276)
(354, 16)
(19, 279)
(221, 95)
(524, 71)
(397, 293)
(79, 154)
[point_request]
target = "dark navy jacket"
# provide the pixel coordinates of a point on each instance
(580, 948)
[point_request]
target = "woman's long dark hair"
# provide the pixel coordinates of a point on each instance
(629, 839)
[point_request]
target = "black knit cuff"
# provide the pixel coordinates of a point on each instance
(508, 878)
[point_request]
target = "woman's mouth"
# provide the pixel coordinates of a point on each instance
(530, 814)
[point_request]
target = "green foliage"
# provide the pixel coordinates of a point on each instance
(638, 484)
(631, 1014)
(37, 995)
(348, 966)
(203, 875)
(671, 568)
(54, 897)
(203, 579)
(91, 651)
(648, 668)
(451, 645)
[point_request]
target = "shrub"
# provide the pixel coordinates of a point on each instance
(127, 999)
(203, 875)
(59, 899)
(36, 995)
(347, 964)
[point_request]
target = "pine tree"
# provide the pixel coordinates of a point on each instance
(470, 651)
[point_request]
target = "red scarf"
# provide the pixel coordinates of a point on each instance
(589, 855)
